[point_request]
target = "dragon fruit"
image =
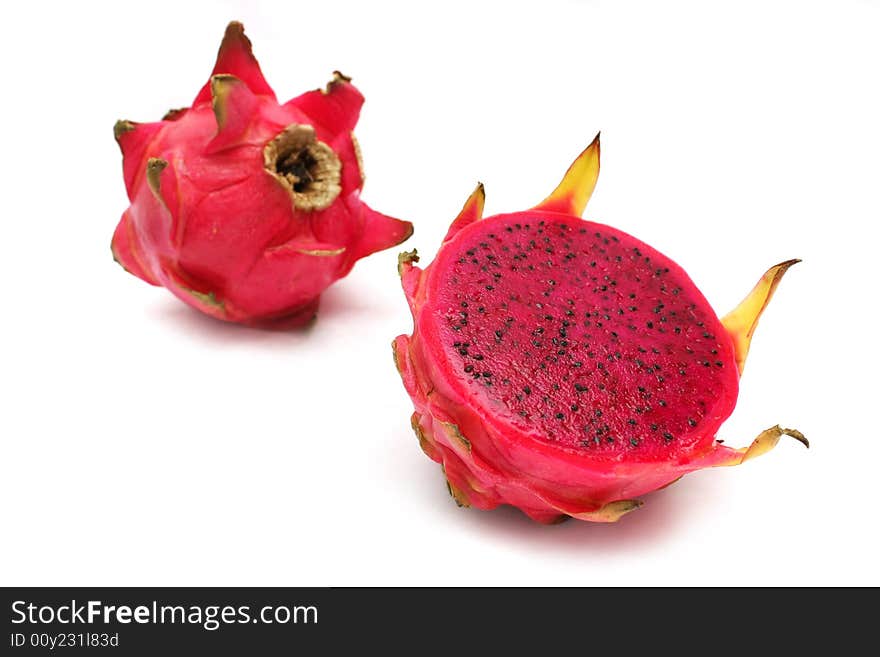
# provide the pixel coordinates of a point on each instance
(563, 366)
(244, 208)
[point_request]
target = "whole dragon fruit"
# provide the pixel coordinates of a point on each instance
(564, 367)
(244, 208)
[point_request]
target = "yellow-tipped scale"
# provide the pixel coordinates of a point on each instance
(765, 441)
(471, 212)
(741, 322)
(573, 193)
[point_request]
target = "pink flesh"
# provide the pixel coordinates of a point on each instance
(581, 336)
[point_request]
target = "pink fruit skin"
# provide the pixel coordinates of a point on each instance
(209, 222)
(488, 459)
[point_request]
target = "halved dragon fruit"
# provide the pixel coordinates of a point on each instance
(565, 367)
(244, 208)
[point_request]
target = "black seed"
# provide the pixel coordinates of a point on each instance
(574, 407)
(478, 357)
(667, 435)
(559, 416)
(598, 413)
(468, 368)
(692, 422)
(527, 390)
(634, 442)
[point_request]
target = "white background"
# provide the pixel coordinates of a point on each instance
(145, 444)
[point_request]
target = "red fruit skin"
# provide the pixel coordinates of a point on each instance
(209, 222)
